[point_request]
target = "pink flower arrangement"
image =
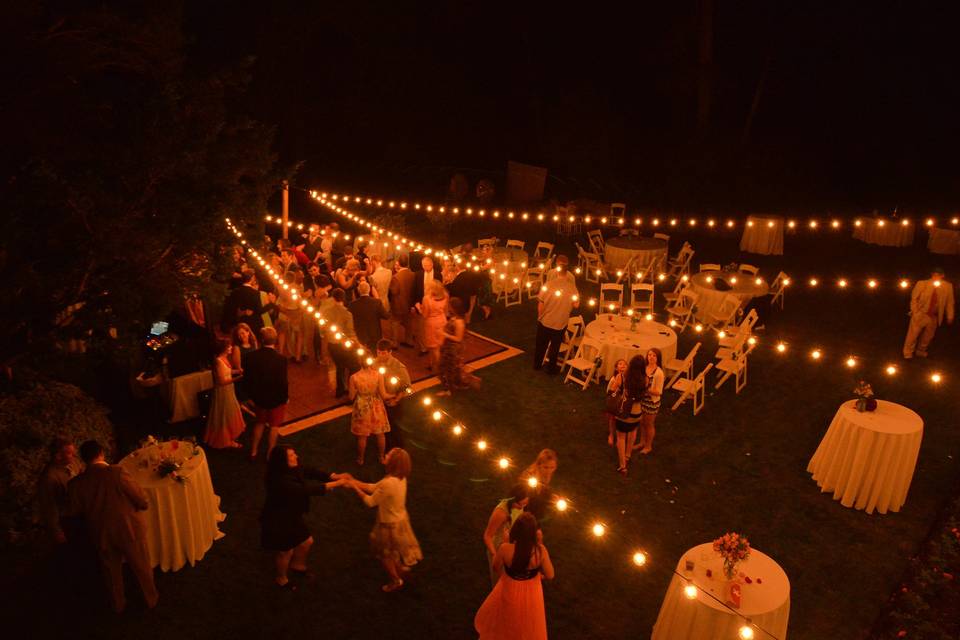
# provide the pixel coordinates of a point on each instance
(733, 548)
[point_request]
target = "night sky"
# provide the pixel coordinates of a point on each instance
(857, 108)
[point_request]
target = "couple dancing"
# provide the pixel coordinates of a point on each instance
(289, 488)
(633, 401)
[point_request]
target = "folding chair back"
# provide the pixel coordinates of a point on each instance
(516, 244)
(486, 242)
(641, 297)
(595, 237)
(726, 314)
(618, 209)
(778, 287)
(682, 310)
(709, 266)
(694, 389)
(664, 237)
(584, 367)
(748, 268)
(682, 368)
(544, 251)
(611, 293)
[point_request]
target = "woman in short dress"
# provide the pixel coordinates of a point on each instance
(651, 399)
(392, 539)
(225, 421)
(498, 526)
(369, 413)
(613, 388)
(244, 342)
(514, 609)
(433, 308)
(633, 387)
(452, 371)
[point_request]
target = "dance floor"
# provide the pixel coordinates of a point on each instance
(312, 385)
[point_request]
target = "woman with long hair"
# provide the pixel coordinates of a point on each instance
(626, 423)
(433, 308)
(541, 471)
(650, 403)
(501, 520)
(282, 527)
(225, 420)
(514, 609)
(392, 539)
(613, 388)
(452, 371)
(369, 417)
(244, 342)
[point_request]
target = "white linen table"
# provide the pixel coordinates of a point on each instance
(183, 516)
(620, 249)
(766, 603)
(886, 233)
(182, 393)
(763, 234)
(944, 241)
(509, 263)
(867, 458)
(742, 285)
(618, 341)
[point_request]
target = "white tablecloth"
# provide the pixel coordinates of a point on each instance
(618, 341)
(766, 603)
(867, 459)
(710, 299)
(763, 234)
(891, 233)
(182, 392)
(943, 241)
(183, 516)
(620, 249)
(516, 261)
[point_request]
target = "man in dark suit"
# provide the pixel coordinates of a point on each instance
(367, 313)
(401, 301)
(464, 286)
(421, 286)
(243, 304)
(110, 502)
(265, 379)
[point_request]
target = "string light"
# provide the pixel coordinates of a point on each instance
(891, 370)
(936, 377)
(639, 558)
(561, 504)
(851, 362)
(690, 591)
(482, 445)
(504, 463)
(815, 354)
(532, 482)
(437, 416)
(745, 632)
(599, 530)
(457, 429)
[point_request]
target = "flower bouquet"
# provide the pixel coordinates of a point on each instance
(733, 548)
(169, 466)
(865, 399)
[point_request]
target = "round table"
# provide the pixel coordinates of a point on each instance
(617, 341)
(867, 458)
(763, 234)
(766, 603)
(620, 249)
(183, 391)
(886, 233)
(183, 516)
(709, 299)
(944, 241)
(509, 263)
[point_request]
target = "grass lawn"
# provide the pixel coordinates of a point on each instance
(738, 466)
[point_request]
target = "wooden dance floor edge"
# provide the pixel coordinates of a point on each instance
(342, 410)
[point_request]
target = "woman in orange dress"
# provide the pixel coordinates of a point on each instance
(433, 308)
(225, 422)
(514, 609)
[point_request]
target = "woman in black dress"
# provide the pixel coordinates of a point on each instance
(632, 389)
(283, 529)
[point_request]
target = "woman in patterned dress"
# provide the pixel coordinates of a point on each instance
(452, 371)
(369, 413)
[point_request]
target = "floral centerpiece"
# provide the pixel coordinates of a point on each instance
(733, 267)
(865, 399)
(733, 548)
(169, 466)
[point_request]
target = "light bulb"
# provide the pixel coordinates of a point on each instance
(781, 347)
(690, 591)
(482, 445)
(815, 354)
(532, 481)
(599, 530)
(504, 463)
(745, 632)
(891, 370)
(639, 558)
(936, 378)
(436, 416)
(851, 362)
(427, 401)
(561, 504)
(457, 429)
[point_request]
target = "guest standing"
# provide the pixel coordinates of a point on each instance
(282, 527)
(369, 413)
(650, 402)
(266, 380)
(392, 538)
(433, 312)
(367, 313)
(110, 502)
(542, 470)
(613, 390)
(401, 301)
(514, 609)
(631, 393)
(554, 303)
(225, 422)
(930, 303)
(396, 381)
(244, 343)
(422, 287)
(243, 303)
(501, 520)
(343, 358)
(52, 488)
(452, 370)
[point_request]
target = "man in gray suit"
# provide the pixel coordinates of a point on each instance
(930, 304)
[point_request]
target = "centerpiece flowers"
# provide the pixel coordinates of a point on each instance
(169, 466)
(865, 399)
(733, 548)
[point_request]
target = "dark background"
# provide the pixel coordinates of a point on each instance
(857, 108)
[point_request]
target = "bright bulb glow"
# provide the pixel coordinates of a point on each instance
(369, 362)
(690, 591)
(482, 445)
(815, 354)
(851, 362)
(457, 429)
(814, 282)
(639, 558)
(599, 530)
(745, 633)
(698, 327)
(872, 283)
(532, 481)
(904, 284)
(561, 504)
(936, 378)
(427, 401)
(436, 416)
(781, 347)
(891, 370)
(842, 283)
(504, 463)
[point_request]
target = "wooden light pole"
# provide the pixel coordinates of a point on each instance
(286, 207)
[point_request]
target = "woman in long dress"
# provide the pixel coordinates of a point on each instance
(244, 342)
(392, 540)
(369, 413)
(501, 520)
(452, 371)
(514, 609)
(433, 308)
(225, 421)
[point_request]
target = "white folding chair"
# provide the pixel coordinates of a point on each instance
(778, 287)
(510, 289)
(592, 266)
(692, 388)
(544, 251)
(682, 310)
(618, 210)
(595, 237)
(641, 297)
(629, 232)
(745, 327)
(584, 367)
(671, 296)
(627, 270)
(611, 294)
(664, 237)
(736, 366)
(516, 244)
(486, 242)
(726, 314)
(748, 268)
(681, 368)
(709, 266)
(572, 336)
(535, 276)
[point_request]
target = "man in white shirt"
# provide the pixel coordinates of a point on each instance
(421, 286)
(380, 277)
(561, 270)
(930, 303)
(554, 303)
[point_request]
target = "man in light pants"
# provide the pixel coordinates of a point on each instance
(930, 302)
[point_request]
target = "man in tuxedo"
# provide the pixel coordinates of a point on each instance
(930, 304)
(401, 302)
(367, 313)
(243, 304)
(421, 285)
(265, 378)
(110, 502)
(343, 358)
